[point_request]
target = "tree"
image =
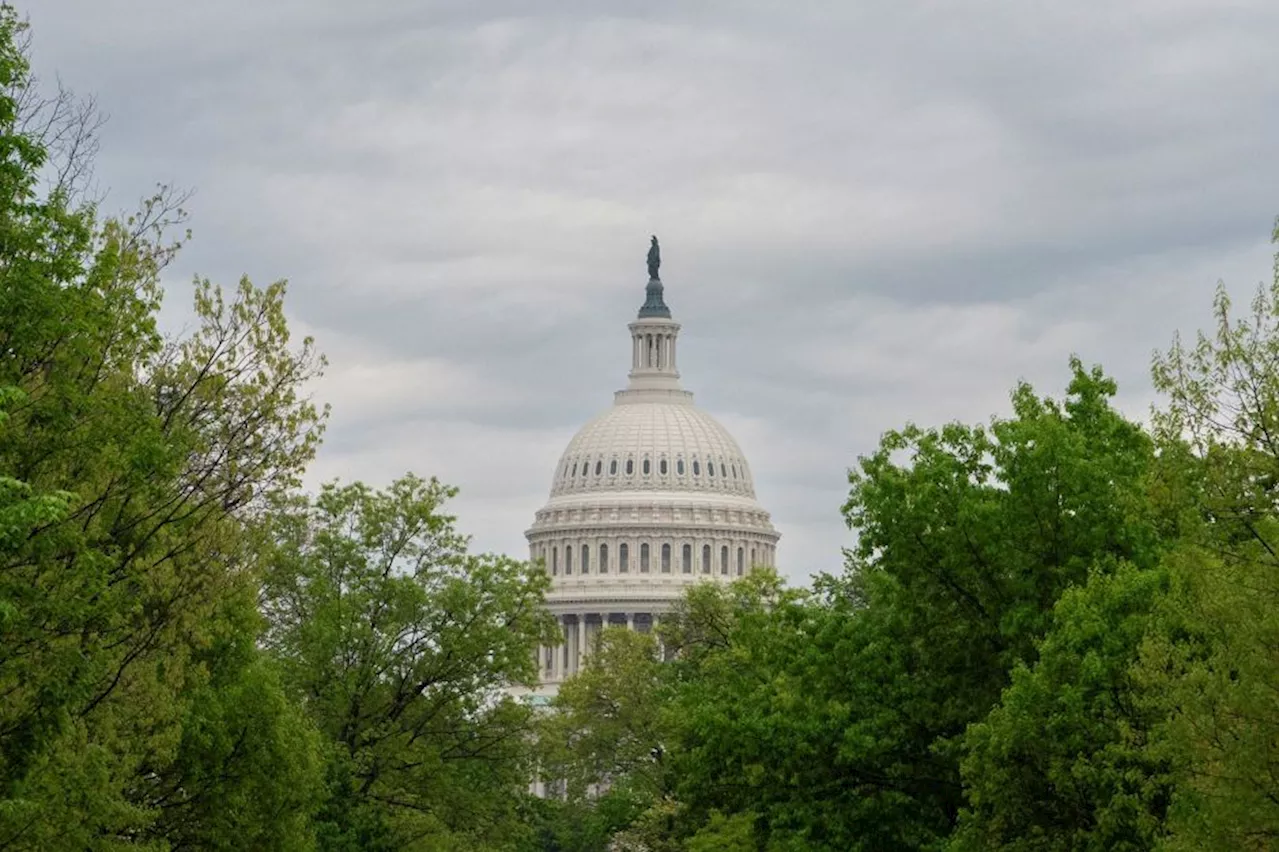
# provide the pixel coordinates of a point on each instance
(1210, 661)
(398, 644)
(605, 729)
(130, 468)
(1063, 762)
(836, 718)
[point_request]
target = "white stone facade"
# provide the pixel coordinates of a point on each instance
(651, 496)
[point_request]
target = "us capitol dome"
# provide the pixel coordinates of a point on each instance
(651, 496)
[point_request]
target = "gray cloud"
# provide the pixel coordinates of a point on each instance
(870, 213)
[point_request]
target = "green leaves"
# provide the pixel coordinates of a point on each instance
(399, 643)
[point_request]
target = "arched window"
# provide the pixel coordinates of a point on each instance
(711, 468)
(722, 471)
(631, 467)
(623, 554)
(644, 558)
(686, 559)
(753, 557)
(695, 467)
(644, 467)
(555, 561)
(740, 561)
(724, 560)
(599, 466)
(680, 466)
(568, 561)
(604, 559)
(575, 469)
(662, 467)
(584, 468)
(666, 559)
(586, 559)
(706, 559)
(613, 468)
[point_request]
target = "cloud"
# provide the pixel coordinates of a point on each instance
(870, 213)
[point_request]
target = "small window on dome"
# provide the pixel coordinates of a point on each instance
(662, 467)
(711, 468)
(599, 467)
(680, 466)
(631, 467)
(644, 467)
(613, 468)
(584, 468)
(734, 470)
(722, 470)
(575, 469)
(695, 467)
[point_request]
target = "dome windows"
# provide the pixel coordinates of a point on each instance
(706, 559)
(686, 559)
(696, 469)
(575, 469)
(599, 466)
(631, 467)
(724, 560)
(603, 567)
(666, 559)
(644, 467)
(711, 468)
(680, 467)
(662, 467)
(624, 554)
(644, 558)
(586, 559)
(722, 470)
(613, 467)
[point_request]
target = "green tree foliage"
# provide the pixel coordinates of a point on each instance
(397, 642)
(1063, 762)
(134, 704)
(1209, 663)
(607, 722)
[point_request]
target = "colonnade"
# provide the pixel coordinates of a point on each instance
(579, 631)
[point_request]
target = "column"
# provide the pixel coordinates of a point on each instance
(557, 653)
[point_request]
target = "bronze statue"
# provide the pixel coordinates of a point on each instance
(655, 259)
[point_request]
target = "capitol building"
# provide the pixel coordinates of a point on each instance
(650, 497)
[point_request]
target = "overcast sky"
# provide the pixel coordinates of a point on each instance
(870, 213)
